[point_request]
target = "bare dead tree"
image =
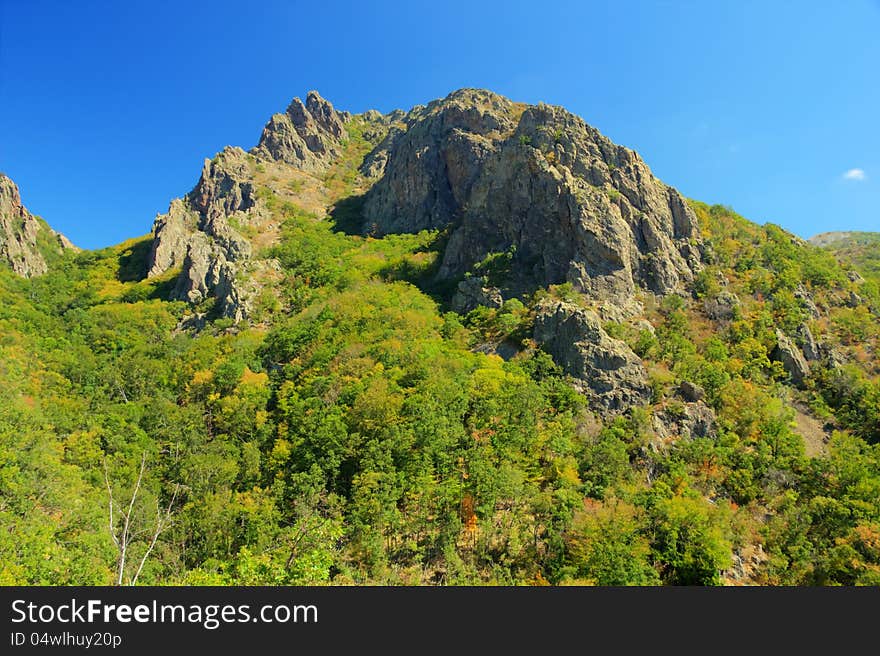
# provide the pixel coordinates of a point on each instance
(121, 390)
(163, 519)
(123, 538)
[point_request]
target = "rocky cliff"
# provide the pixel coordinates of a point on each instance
(308, 135)
(25, 240)
(541, 183)
(198, 235)
(561, 202)
(536, 182)
(205, 233)
(608, 371)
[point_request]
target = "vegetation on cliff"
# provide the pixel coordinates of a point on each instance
(357, 429)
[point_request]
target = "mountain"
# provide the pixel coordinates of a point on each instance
(488, 170)
(473, 342)
(26, 242)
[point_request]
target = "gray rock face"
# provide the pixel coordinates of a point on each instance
(806, 299)
(536, 182)
(645, 325)
(201, 233)
(225, 186)
(171, 234)
(471, 294)
(308, 136)
(695, 419)
(791, 358)
(432, 166)
(855, 276)
(576, 207)
(197, 234)
(373, 166)
(24, 237)
(808, 343)
(854, 300)
(700, 420)
(831, 356)
(608, 372)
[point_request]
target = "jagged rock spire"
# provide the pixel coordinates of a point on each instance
(308, 135)
(20, 231)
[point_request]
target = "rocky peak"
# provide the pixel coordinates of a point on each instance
(225, 185)
(24, 239)
(308, 135)
(473, 110)
(198, 235)
(433, 164)
(202, 233)
(792, 359)
(327, 118)
(537, 181)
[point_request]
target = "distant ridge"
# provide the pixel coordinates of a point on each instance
(827, 238)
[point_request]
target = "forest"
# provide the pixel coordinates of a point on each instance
(359, 431)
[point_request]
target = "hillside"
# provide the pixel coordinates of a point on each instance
(861, 249)
(474, 342)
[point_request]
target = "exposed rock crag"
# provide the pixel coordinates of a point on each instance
(692, 419)
(198, 235)
(573, 206)
(607, 370)
(25, 240)
(472, 293)
(203, 233)
(792, 359)
(308, 135)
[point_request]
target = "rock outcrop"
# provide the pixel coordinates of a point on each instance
(472, 293)
(203, 233)
(308, 135)
(691, 391)
(573, 206)
(855, 276)
(693, 419)
(792, 359)
(806, 300)
(808, 344)
(536, 182)
(197, 234)
(722, 307)
(25, 240)
(606, 369)
(433, 164)
(373, 166)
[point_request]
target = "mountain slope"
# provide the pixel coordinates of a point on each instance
(862, 249)
(533, 181)
(472, 343)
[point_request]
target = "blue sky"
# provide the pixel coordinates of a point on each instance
(108, 108)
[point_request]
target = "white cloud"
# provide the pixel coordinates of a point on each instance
(855, 174)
